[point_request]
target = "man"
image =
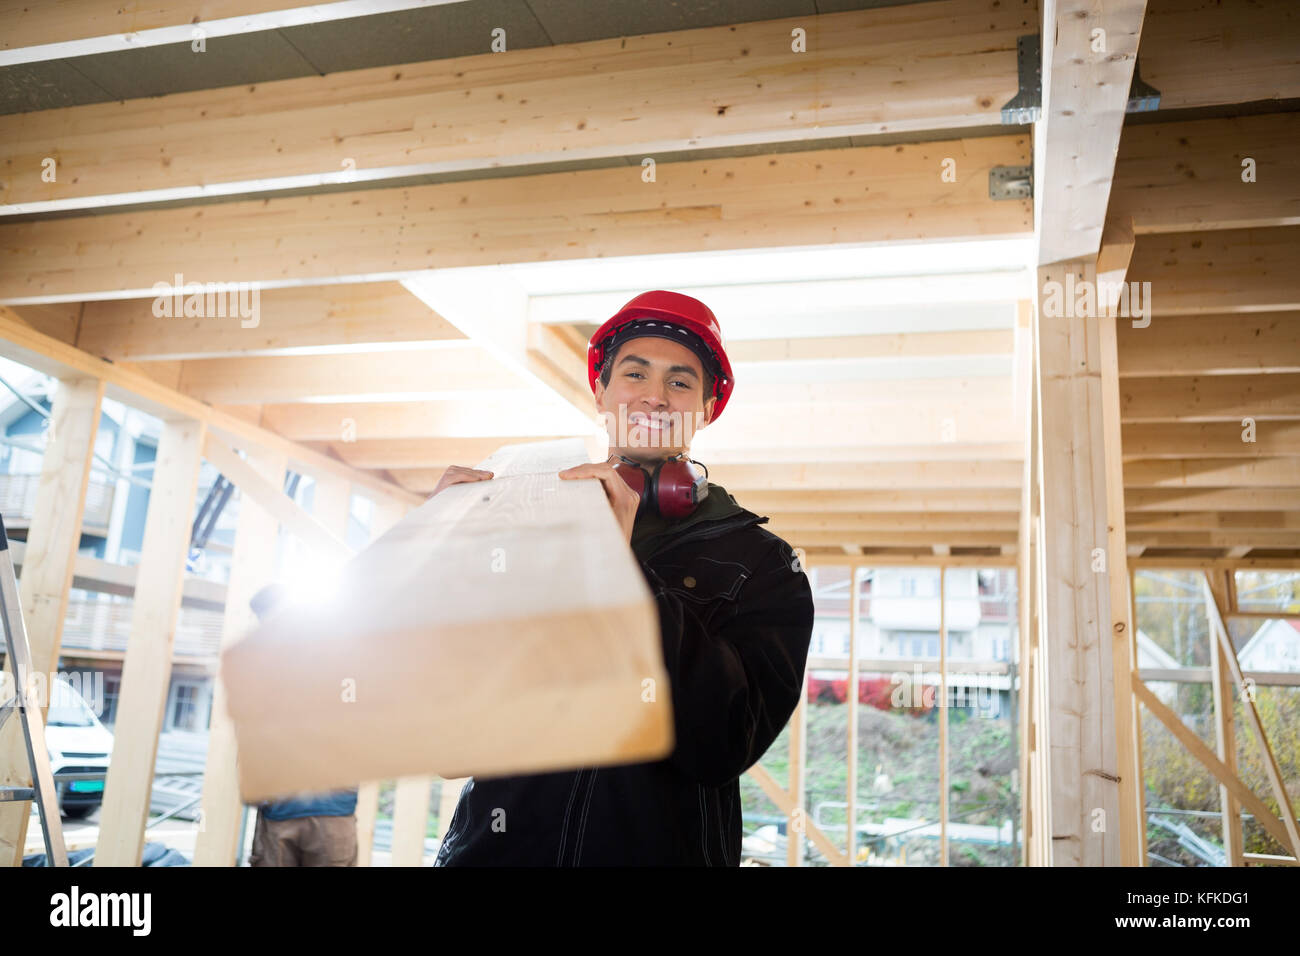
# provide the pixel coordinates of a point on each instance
(307, 829)
(735, 612)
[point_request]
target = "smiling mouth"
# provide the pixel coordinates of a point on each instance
(645, 421)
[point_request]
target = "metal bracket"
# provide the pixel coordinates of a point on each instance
(1011, 182)
(1027, 105)
(1142, 97)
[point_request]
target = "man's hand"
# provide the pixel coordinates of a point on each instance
(622, 499)
(455, 474)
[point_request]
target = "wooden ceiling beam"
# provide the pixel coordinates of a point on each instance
(852, 195)
(1181, 177)
(1211, 499)
(1210, 440)
(1207, 53)
(723, 86)
(296, 320)
(1212, 473)
(1211, 397)
(1085, 92)
(1238, 270)
(261, 380)
(36, 32)
(493, 414)
(1211, 344)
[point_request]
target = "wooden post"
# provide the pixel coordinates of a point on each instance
(1080, 745)
(147, 667)
(410, 817)
(1225, 734)
(1123, 640)
(797, 816)
(1137, 703)
(52, 540)
(250, 569)
(388, 511)
(850, 846)
(943, 717)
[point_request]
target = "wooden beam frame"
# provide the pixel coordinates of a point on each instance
(54, 537)
(250, 568)
(725, 86)
(147, 667)
(20, 343)
(36, 34)
(1085, 93)
(885, 193)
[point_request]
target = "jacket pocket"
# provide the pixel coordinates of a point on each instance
(704, 580)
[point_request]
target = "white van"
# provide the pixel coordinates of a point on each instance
(78, 743)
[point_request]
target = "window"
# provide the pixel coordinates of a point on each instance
(185, 707)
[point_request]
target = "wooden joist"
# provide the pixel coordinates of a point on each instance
(1211, 440)
(21, 343)
(291, 320)
(1180, 177)
(489, 665)
(1227, 398)
(1230, 270)
(1207, 53)
(1215, 344)
(946, 65)
(868, 194)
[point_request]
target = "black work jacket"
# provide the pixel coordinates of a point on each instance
(736, 617)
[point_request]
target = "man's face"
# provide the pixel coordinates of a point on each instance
(654, 382)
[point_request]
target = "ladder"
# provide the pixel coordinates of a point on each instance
(19, 653)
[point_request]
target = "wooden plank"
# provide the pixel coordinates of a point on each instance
(896, 539)
(487, 623)
(731, 85)
(53, 540)
(1212, 473)
(1206, 53)
(147, 668)
(1215, 521)
(851, 739)
(1225, 736)
(1122, 628)
(1082, 784)
(20, 343)
(1180, 177)
(251, 567)
(271, 497)
(290, 320)
(1212, 345)
(894, 521)
(794, 502)
(1263, 815)
(410, 817)
(1205, 440)
(1230, 270)
(1253, 537)
(1085, 93)
(35, 33)
(500, 415)
(894, 345)
(1211, 397)
(259, 380)
(1210, 499)
(886, 193)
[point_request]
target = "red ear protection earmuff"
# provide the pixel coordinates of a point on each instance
(673, 489)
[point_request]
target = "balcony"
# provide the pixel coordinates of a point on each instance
(18, 501)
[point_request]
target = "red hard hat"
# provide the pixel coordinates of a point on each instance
(659, 309)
